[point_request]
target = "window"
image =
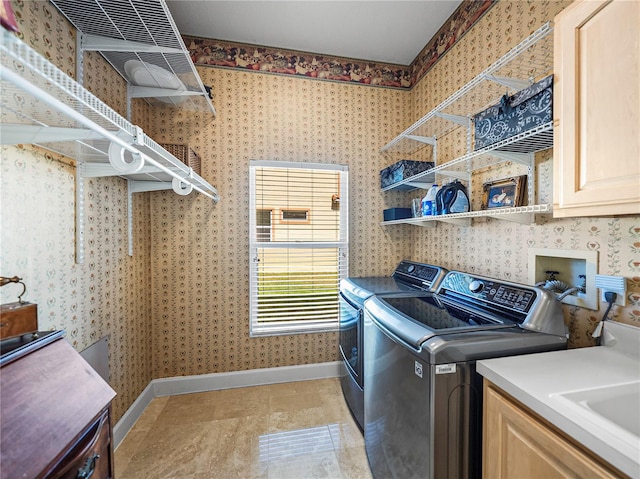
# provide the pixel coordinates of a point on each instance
(296, 268)
(295, 215)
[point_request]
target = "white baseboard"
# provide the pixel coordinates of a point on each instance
(215, 381)
(129, 418)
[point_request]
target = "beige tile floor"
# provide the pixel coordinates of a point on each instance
(281, 431)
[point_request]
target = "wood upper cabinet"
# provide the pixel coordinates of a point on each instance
(518, 445)
(596, 109)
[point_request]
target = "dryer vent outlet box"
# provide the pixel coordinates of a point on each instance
(570, 266)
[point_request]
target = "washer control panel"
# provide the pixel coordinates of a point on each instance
(515, 298)
(476, 286)
(509, 295)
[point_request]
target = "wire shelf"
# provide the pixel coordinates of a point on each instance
(519, 214)
(42, 105)
(527, 62)
(531, 141)
(140, 22)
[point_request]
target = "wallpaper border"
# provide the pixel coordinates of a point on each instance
(263, 59)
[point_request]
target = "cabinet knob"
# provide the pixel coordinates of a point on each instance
(86, 471)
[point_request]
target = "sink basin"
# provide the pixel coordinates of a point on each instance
(618, 404)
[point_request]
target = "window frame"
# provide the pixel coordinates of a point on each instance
(260, 328)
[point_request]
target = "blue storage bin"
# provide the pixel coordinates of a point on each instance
(397, 214)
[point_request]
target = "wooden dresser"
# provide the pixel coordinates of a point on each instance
(55, 416)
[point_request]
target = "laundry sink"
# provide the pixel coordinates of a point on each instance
(590, 394)
(617, 404)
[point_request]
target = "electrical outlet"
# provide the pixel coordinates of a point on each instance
(615, 284)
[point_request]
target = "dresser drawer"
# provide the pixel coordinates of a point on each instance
(90, 456)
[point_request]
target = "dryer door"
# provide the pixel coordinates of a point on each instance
(351, 339)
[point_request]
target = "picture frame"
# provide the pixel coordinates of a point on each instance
(505, 193)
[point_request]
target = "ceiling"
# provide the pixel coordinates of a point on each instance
(381, 31)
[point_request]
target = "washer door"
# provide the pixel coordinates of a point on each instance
(421, 420)
(397, 420)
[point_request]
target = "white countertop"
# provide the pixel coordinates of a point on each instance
(539, 380)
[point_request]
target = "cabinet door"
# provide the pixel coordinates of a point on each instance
(596, 109)
(518, 446)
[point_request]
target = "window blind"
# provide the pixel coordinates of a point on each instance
(298, 246)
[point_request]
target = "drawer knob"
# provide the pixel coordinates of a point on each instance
(87, 470)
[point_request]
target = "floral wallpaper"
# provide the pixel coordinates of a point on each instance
(462, 20)
(179, 306)
(498, 248)
(203, 323)
(108, 294)
(201, 280)
(208, 52)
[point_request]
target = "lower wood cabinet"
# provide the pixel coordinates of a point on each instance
(55, 415)
(517, 444)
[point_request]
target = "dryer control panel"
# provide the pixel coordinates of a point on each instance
(422, 276)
